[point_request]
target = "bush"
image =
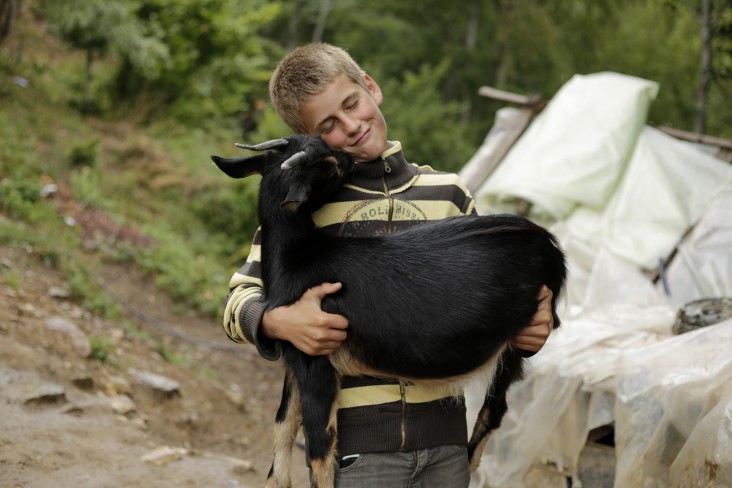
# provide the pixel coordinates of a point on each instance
(84, 154)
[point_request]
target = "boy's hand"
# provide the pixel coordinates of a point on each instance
(533, 337)
(305, 324)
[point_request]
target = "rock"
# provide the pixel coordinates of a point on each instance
(78, 339)
(243, 466)
(28, 388)
(117, 385)
(42, 393)
(83, 382)
(192, 421)
(162, 386)
(122, 404)
(27, 309)
(236, 396)
(58, 292)
(164, 455)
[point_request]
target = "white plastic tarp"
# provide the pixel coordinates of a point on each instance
(702, 266)
(620, 195)
(669, 397)
(589, 163)
(574, 152)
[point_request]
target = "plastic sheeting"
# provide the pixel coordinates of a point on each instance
(574, 152)
(667, 186)
(674, 406)
(620, 196)
(702, 266)
(669, 397)
(569, 387)
(589, 164)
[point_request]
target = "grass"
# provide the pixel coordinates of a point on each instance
(155, 178)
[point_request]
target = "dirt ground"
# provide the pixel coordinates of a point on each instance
(58, 422)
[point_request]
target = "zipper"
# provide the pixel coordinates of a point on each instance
(387, 170)
(403, 394)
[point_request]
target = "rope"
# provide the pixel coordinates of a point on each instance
(168, 329)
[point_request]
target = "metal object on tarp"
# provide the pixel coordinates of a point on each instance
(701, 313)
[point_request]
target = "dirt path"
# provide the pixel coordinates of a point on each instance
(61, 421)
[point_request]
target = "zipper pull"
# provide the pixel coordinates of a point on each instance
(387, 168)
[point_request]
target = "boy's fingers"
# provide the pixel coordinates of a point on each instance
(545, 296)
(324, 289)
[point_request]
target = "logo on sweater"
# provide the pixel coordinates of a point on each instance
(379, 217)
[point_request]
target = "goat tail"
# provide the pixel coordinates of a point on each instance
(509, 370)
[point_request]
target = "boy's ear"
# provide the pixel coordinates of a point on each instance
(374, 89)
(241, 167)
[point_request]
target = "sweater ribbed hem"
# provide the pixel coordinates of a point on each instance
(378, 428)
(251, 319)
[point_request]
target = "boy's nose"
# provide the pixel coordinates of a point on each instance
(351, 126)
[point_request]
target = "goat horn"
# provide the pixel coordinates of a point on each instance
(273, 144)
(294, 160)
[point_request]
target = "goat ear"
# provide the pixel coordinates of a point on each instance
(295, 197)
(241, 167)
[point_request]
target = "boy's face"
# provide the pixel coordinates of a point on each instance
(348, 119)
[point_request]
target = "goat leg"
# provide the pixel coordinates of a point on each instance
(509, 370)
(287, 422)
(318, 385)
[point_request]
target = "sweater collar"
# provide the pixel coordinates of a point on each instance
(391, 168)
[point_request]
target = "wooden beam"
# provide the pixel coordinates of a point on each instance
(536, 102)
(694, 137)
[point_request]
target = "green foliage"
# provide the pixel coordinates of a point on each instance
(84, 154)
(85, 289)
(101, 349)
(87, 185)
(193, 280)
(170, 356)
(100, 25)
(10, 278)
(427, 126)
(228, 210)
(217, 63)
(196, 71)
(20, 183)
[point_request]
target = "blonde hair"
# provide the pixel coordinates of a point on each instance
(305, 72)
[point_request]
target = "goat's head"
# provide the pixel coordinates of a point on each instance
(301, 168)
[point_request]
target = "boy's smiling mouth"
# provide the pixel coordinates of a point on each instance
(364, 137)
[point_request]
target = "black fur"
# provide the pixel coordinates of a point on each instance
(435, 301)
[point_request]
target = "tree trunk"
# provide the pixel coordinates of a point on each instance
(323, 12)
(8, 11)
(706, 68)
(471, 39)
(294, 28)
(503, 53)
(85, 102)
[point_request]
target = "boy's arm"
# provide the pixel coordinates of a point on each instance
(305, 324)
(245, 305)
(302, 323)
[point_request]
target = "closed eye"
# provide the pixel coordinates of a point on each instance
(326, 128)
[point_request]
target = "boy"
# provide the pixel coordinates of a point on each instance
(390, 434)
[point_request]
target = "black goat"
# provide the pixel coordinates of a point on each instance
(450, 295)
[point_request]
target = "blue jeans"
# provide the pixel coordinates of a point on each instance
(437, 467)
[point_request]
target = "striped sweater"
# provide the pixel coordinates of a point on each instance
(383, 196)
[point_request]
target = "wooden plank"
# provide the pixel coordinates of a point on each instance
(536, 102)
